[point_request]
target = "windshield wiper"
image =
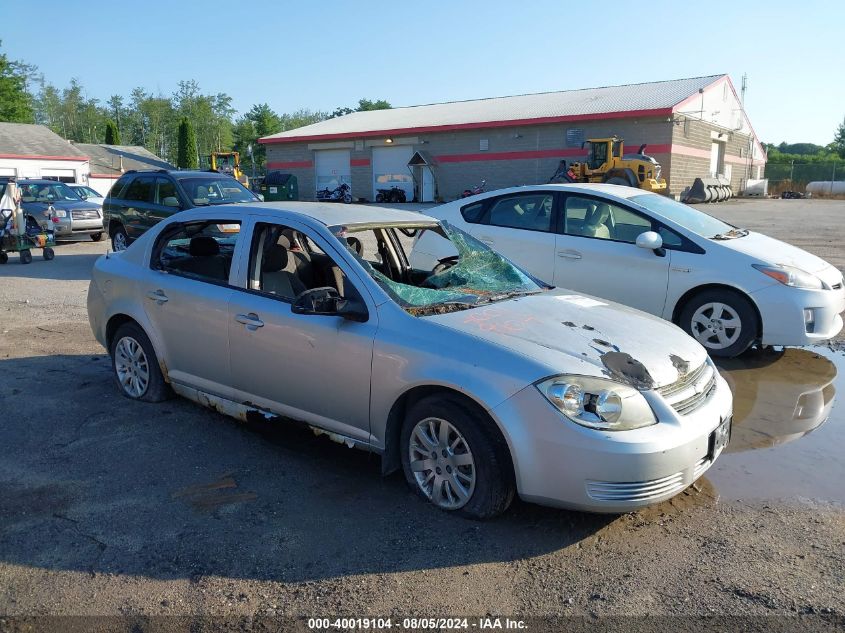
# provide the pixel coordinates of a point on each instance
(730, 235)
(510, 295)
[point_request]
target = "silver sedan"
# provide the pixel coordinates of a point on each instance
(477, 380)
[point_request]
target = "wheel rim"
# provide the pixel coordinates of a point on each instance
(716, 325)
(131, 366)
(119, 240)
(442, 463)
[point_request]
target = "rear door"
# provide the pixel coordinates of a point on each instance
(133, 207)
(596, 254)
(166, 200)
(521, 226)
(186, 296)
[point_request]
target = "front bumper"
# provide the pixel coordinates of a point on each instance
(562, 464)
(782, 314)
(66, 227)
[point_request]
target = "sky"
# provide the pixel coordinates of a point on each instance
(321, 55)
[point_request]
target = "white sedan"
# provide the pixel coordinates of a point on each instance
(726, 286)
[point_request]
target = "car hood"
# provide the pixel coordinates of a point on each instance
(67, 205)
(571, 333)
(773, 251)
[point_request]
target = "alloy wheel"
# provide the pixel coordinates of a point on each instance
(119, 241)
(442, 463)
(132, 367)
(716, 325)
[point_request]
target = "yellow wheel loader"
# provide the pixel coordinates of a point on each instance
(228, 163)
(607, 162)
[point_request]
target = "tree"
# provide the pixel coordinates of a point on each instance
(112, 133)
(364, 105)
(186, 157)
(838, 144)
(16, 103)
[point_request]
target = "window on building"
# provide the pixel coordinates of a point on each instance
(574, 137)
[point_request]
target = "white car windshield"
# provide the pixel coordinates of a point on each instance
(689, 218)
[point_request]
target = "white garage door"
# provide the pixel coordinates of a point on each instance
(332, 167)
(390, 169)
(62, 175)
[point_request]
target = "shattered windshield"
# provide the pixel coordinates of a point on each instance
(475, 276)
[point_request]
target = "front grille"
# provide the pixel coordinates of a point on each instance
(691, 391)
(636, 490)
(85, 214)
(702, 465)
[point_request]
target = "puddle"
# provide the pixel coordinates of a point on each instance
(789, 433)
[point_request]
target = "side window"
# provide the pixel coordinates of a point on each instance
(532, 212)
(472, 213)
(284, 263)
(589, 217)
(670, 238)
(140, 190)
(166, 193)
(117, 187)
(200, 250)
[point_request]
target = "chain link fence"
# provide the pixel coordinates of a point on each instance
(795, 176)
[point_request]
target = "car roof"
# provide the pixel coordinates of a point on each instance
(179, 173)
(40, 181)
(619, 191)
(329, 214)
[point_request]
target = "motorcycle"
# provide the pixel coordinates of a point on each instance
(342, 193)
(479, 188)
(394, 194)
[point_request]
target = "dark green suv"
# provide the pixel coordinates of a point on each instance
(139, 199)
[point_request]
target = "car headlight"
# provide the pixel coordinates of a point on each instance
(59, 213)
(598, 403)
(791, 276)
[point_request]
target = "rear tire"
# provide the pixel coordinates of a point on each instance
(135, 365)
(4, 258)
(96, 236)
(49, 253)
(380, 197)
(119, 238)
(723, 321)
(466, 468)
(26, 257)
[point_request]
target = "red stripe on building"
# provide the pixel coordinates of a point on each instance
(360, 162)
(81, 159)
(473, 126)
(532, 154)
(291, 164)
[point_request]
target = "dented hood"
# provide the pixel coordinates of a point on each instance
(578, 334)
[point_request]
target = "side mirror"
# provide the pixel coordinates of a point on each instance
(327, 302)
(651, 241)
(171, 201)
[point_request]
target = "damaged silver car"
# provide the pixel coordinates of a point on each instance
(477, 380)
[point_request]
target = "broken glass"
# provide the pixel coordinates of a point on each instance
(479, 275)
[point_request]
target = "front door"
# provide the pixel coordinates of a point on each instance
(306, 367)
(596, 254)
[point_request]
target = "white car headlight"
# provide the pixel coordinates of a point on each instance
(598, 403)
(791, 276)
(59, 213)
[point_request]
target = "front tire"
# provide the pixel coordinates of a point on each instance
(135, 365)
(454, 459)
(723, 321)
(380, 197)
(26, 257)
(616, 180)
(49, 253)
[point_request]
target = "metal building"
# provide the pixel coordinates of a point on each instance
(694, 127)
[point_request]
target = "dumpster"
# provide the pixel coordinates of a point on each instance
(279, 186)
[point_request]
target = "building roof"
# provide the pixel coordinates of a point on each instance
(644, 99)
(107, 160)
(27, 141)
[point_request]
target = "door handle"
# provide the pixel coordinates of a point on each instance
(251, 321)
(569, 254)
(158, 296)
